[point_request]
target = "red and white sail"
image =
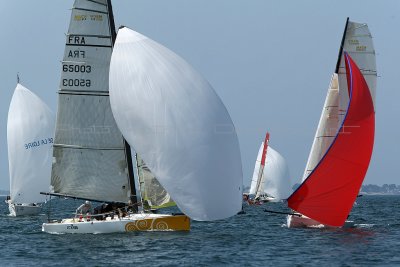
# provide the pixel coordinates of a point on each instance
(271, 173)
(328, 193)
(357, 42)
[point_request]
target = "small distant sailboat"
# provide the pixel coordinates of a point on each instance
(271, 179)
(343, 144)
(176, 122)
(30, 129)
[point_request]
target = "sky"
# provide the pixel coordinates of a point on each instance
(269, 61)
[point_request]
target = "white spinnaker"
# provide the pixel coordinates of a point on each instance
(173, 118)
(30, 131)
(276, 179)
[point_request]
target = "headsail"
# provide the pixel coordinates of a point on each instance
(179, 126)
(89, 151)
(30, 130)
(154, 196)
(257, 183)
(329, 192)
(357, 42)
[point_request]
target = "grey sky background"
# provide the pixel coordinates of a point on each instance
(269, 61)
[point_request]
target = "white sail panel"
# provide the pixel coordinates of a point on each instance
(277, 182)
(30, 130)
(256, 173)
(179, 126)
(327, 127)
(89, 151)
(359, 44)
(89, 18)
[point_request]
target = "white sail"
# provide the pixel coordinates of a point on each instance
(179, 126)
(357, 41)
(89, 151)
(30, 130)
(327, 127)
(275, 179)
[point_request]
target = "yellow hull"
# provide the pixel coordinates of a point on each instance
(169, 223)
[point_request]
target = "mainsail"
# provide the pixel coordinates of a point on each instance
(178, 125)
(328, 194)
(30, 128)
(357, 42)
(90, 154)
(274, 179)
(153, 195)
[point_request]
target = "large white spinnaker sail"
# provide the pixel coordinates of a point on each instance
(89, 151)
(30, 130)
(357, 42)
(173, 118)
(275, 178)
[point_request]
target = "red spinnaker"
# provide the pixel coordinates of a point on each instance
(328, 194)
(264, 153)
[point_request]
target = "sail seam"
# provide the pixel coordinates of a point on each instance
(88, 45)
(93, 93)
(88, 148)
(97, 2)
(90, 10)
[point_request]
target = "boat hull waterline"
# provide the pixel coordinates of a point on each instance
(302, 221)
(23, 209)
(131, 223)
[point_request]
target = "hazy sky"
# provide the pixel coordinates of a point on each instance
(269, 61)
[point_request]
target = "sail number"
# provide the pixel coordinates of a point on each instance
(77, 82)
(77, 68)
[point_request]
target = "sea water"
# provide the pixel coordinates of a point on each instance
(256, 238)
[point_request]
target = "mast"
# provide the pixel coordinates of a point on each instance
(128, 152)
(261, 172)
(341, 46)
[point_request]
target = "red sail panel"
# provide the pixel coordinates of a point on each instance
(328, 194)
(264, 153)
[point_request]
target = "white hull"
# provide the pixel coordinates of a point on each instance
(302, 221)
(23, 209)
(130, 223)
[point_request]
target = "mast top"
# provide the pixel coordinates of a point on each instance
(341, 46)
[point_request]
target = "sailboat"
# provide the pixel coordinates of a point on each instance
(92, 160)
(343, 144)
(30, 128)
(271, 180)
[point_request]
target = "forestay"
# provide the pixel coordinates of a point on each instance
(30, 129)
(179, 126)
(89, 153)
